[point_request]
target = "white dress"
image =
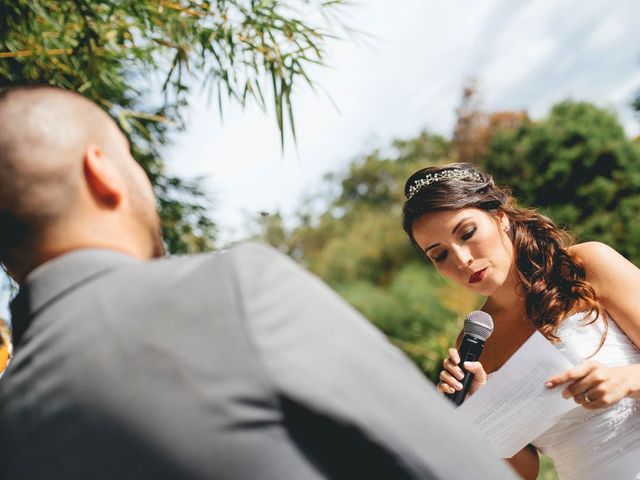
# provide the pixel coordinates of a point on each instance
(596, 444)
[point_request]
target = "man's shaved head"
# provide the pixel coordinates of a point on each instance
(44, 136)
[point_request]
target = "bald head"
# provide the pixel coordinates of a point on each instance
(45, 140)
(45, 131)
(45, 127)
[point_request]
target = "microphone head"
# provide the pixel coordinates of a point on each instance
(479, 324)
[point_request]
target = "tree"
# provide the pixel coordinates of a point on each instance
(475, 127)
(350, 235)
(576, 165)
(579, 167)
(469, 132)
(140, 60)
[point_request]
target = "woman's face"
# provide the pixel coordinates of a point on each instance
(470, 246)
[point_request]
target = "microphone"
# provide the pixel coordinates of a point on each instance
(478, 326)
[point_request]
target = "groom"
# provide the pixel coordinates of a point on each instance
(238, 365)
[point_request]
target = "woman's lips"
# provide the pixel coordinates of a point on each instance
(477, 276)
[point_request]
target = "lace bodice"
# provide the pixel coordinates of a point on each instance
(596, 444)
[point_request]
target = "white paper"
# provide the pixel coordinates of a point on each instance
(515, 407)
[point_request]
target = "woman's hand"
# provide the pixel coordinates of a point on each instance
(594, 385)
(452, 374)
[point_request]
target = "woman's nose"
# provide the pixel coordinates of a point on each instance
(463, 258)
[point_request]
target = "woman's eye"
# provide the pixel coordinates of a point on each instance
(468, 234)
(440, 256)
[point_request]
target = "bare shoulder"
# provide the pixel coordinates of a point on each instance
(597, 257)
(606, 269)
(593, 251)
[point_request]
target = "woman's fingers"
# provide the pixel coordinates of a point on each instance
(452, 364)
(600, 387)
(453, 369)
(451, 374)
(577, 389)
(447, 378)
(572, 374)
(445, 388)
(454, 356)
(479, 375)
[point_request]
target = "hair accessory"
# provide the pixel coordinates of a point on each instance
(430, 178)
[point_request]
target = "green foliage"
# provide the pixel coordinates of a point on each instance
(371, 249)
(414, 293)
(411, 311)
(578, 166)
(547, 471)
(351, 236)
(141, 59)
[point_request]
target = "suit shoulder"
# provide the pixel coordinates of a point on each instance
(245, 259)
(257, 255)
(179, 263)
(255, 249)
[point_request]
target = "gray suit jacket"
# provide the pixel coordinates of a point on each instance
(231, 366)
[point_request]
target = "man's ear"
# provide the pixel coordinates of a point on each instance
(103, 180)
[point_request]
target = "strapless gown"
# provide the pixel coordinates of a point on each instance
(599, 444)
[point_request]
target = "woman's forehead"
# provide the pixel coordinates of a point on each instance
(445, 221)
(451, 217)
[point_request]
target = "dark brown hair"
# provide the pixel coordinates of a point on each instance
(552, 278)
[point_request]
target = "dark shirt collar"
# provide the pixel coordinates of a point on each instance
(55, 278)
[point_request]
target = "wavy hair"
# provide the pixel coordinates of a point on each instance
(553, 280)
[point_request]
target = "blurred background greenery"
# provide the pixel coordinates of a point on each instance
(141, 60)
(576, 165)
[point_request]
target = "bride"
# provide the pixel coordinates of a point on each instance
(583, 298)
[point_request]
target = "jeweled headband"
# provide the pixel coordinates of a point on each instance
(457, 173)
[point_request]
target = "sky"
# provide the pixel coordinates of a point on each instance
(406, 75)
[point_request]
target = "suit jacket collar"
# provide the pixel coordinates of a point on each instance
(57, 277)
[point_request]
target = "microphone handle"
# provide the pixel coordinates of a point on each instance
(470, 350)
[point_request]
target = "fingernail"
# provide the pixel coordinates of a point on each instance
(548, 384)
